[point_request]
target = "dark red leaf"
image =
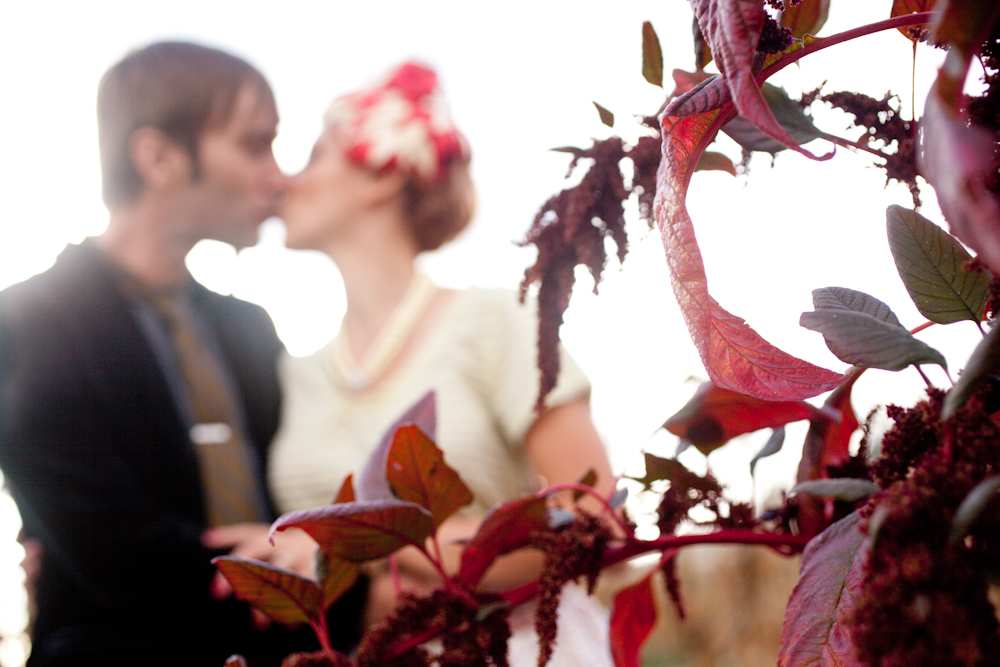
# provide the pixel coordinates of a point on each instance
(958, 160)
(965, 24)
(732, 29)
(673, 471)
(815, 631)
(685, 81)
(652, 55)
(507, 527)
(363, 530)
(346, 492)
(633, 616)
(417, 472)
(805, 18)
(828, 441)
(715, 416)
(735, 356)
(284, 596)
(703, 97)
(372, 484)
(702, 54)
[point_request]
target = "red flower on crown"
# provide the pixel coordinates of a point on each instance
(402, 123)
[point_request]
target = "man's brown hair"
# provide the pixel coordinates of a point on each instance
(181, 89)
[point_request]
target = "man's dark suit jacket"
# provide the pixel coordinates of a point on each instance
(104, 473)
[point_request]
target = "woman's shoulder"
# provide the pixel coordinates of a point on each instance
(484, 306)
(308, 369)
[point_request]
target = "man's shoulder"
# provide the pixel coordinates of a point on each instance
(75, 278)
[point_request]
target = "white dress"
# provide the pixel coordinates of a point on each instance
(479, 357)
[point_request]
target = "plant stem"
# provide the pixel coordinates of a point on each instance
(323, 634)
(634, 548)
(920, 18)
(926, 379)
(583, 488)
(840, 141)
(925, 325)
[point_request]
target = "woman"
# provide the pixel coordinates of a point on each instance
(387, 180)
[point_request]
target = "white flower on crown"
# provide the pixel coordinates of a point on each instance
(393, 129)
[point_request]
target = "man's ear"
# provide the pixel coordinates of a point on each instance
(161, 162)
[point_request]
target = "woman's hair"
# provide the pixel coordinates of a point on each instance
(436, 212)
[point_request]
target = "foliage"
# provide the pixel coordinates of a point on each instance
(899, 547)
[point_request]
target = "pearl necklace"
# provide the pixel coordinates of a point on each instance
(390, 340)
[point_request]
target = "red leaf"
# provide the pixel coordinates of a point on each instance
(346, 492)
(372, 484)
(417, 472)
(714, 416)
(284, 596)
(958, 160)
(633, 616)
(805, 18)
(828, 440)
(363, 530)
(735, 356)
(815, 631)
(507, 527)
(685, 81)
(336, 576)
(705, 96)
(732, 29)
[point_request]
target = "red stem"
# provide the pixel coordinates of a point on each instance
(925, 325)
(323, 634)
(634, 548)
(920, 18)
(846, 143)
(927, 380)
(583, 488)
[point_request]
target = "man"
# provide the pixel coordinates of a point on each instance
(135, 405)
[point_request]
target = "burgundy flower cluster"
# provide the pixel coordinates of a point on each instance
(924, 599)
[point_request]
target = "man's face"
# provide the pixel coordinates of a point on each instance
(239, 184)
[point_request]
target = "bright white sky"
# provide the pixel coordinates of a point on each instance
(520, 77)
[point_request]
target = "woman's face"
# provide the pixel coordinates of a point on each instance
(325, 196)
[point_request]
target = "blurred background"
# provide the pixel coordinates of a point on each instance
(521, 77)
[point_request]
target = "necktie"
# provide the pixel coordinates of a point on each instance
(225, 460)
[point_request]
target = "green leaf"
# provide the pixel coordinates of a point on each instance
(862, 340)
(972, 506)
(981, 365)
(417, 473)
(607, 117)
(712, 161)
(844, 298)
(652, 56)
(772, 446)
(284, 596)
(336, 576)
(841, 488)
(932, 264)
(786, 111)
(363, 530)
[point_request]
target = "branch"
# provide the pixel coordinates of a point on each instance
(635, 548)
(821, 43)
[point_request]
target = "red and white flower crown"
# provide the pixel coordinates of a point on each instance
(402, 123)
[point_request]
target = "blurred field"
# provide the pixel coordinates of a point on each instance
(735, 600)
